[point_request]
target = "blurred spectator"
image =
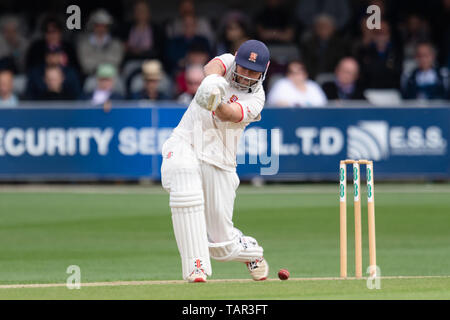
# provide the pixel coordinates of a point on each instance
(194, 77)
(152, 74)
(197, 55)
(203, 28)
(13, 44)
(365, 37)
(275, 23)
(99, 46)
(7, 96)
(104, 91)
(308, 10)
(52, 30)
(295, 90)
(324, 49)
(346, 85)
(143, 39)
(426, 81)
(414, 31)
(178, 47)
(54, 85)
(36, 86)
(234, 32)
(380, 60)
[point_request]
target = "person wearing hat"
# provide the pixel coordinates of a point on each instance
(152, 74)
(199, 164)
(99, 46)
(104, 91)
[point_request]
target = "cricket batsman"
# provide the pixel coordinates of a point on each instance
(199, 164)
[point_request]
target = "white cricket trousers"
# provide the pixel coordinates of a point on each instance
(201, 200)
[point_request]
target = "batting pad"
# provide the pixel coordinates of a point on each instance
(188, 218)
(190, 232)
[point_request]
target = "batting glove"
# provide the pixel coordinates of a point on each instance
(211, 92)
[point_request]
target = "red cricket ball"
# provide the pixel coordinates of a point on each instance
(283, 274)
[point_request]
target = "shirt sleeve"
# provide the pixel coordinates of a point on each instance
(251, 107)
(226, 59)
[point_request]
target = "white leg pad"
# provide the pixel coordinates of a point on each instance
(188, 218)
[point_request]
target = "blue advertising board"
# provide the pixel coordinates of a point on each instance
(76, 143)
(287, 144)
(404, 143)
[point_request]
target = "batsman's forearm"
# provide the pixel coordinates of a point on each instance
(214, 67)
(229, 112)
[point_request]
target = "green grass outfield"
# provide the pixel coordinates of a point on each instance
(125, 234)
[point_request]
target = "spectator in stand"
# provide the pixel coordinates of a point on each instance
(7, 96)
(54, 85)
(152, 74)
(380, 60)
(426, 81)
(99, 46)
(274, 23)
(178, 47)
(364, 38)
(296, 90)
(36, 85)
(13, 44)
(176, 27)
(414, 31)
(346, 85)
(339, 10)
(143, 39)
(52, 29)
(104, 91)
(194, 77)
(234, 32)
(323, 50)
(197, 55)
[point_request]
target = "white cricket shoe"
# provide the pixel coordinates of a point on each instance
(197, 275)
(259, 269)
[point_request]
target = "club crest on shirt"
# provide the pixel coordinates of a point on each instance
(252, 57)
(233, 99)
